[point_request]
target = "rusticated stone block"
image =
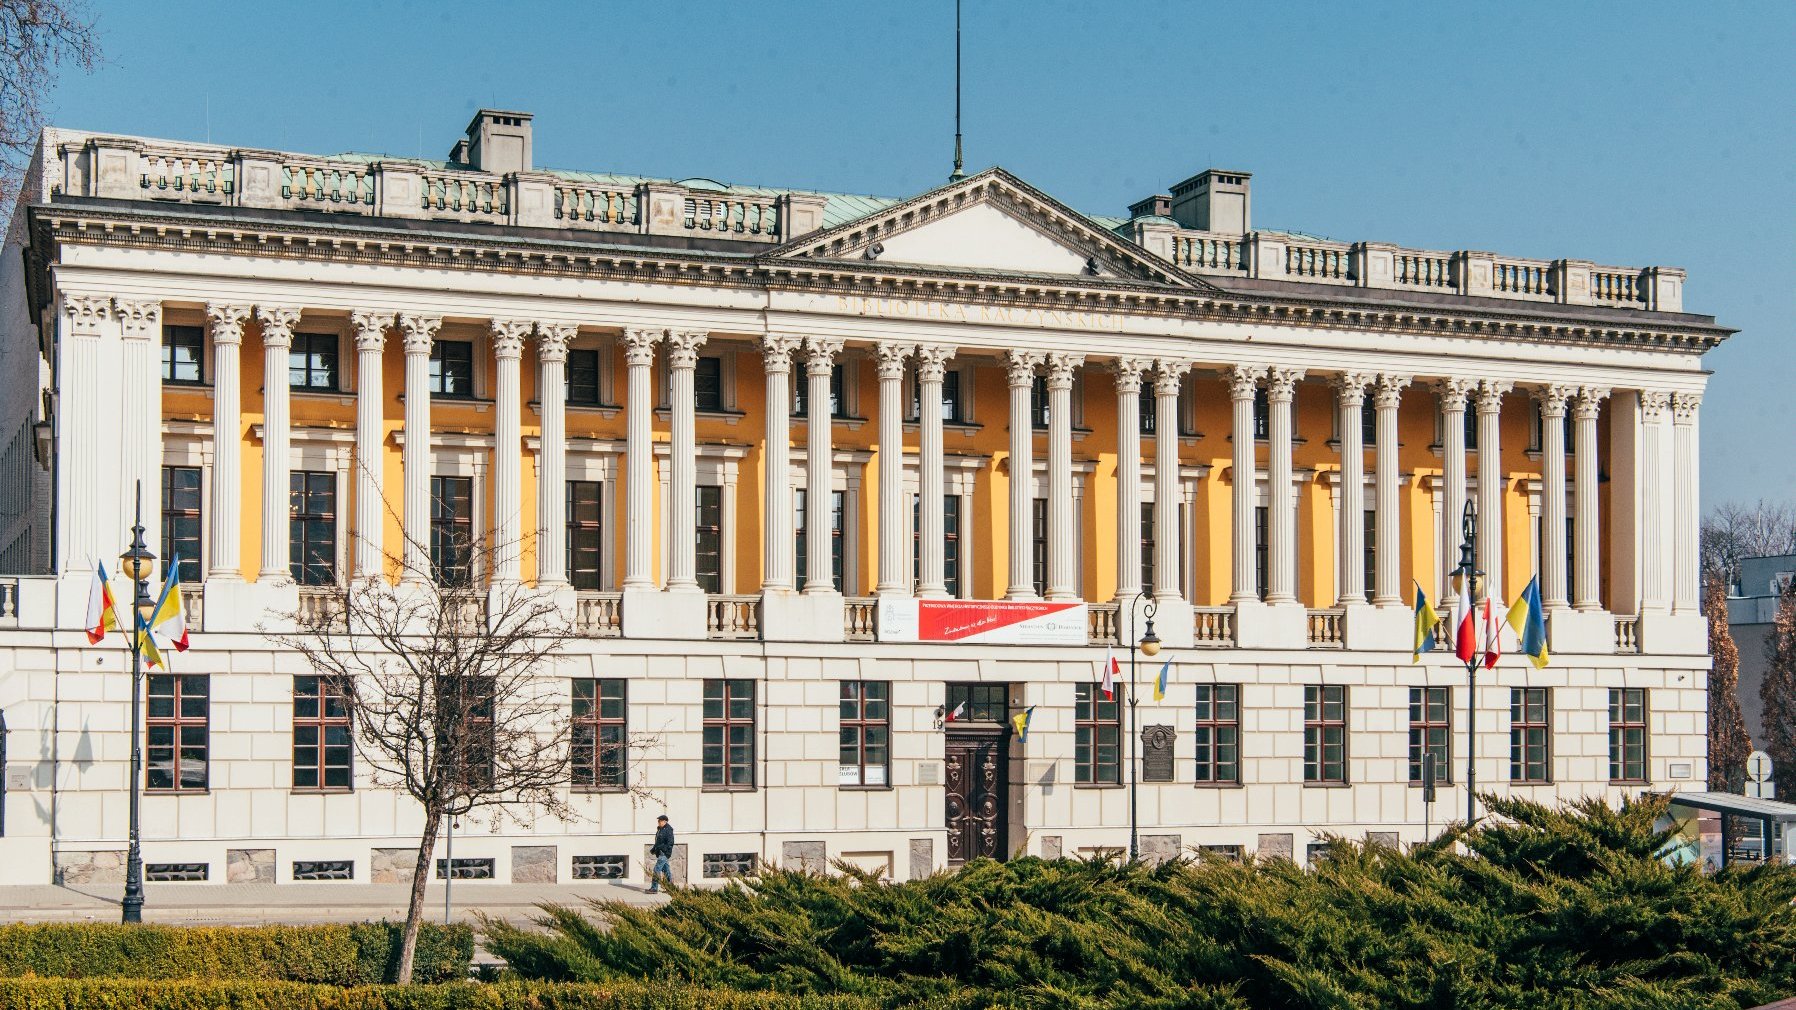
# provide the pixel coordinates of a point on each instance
(249, 866)
(1388, 839)
(1159, 848)
(922, 857)
(811, 857)
(392, 866)
(1050, 846)
(534, 864)
(106, 866)
(1276, 846)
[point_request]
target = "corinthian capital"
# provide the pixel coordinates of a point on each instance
(1244, 381)
(1589, 402)
(1653, 404)
(420, 332)
(682, 347)
(370, 329)
(1281, 383)
(932, 361)
(1061, 367)
(1388, 393)
(1490, 395)
(1019, 367)
(141, 320)
(891, 358)
(639, 345)
(820, 355)
(1454, 393)
(1553, 399)
(552, 339)
(509, 336)
(1684, 407)
(1128, 373)
(277, 324)
(86, 313)
(1350, 387)
(227, 322)
(777, 350)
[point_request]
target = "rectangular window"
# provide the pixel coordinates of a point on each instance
(1097, 736)
(800, 519)
(600, 734)
(1368, 423)
(1218, 734)
(312, 527)
(977, 703)
(452, 529)
(1530, 734)
(729, 740)
(321, 744)
(1471, 428)
(838, 405)
(1038, 402)
(177, 714)
(1038, 544)
(866, 740)
(1262, 547)
(312, 362)
(952, 410)
(585, 533)
(181, 520)
(1262, 415)
(1430, 732)
(583, 378)
(708, 518)
(466, 733)
(707, 385)
(1147, 546)
(1325, 733)
(1146, 411)
(1370, 543)
(452, 369)
(950, 544)
(1627, 734)
(183, 354)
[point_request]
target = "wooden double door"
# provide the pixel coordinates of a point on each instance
(978, 793)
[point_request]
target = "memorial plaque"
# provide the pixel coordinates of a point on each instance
(1156, 753)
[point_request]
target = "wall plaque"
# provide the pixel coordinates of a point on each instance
(1156, 753)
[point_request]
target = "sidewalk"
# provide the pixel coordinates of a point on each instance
(251, 904)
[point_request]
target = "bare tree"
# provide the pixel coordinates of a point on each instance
(1734, 531)
(445, 681)
(1729, 743)
(36, 37)
(1777, 692)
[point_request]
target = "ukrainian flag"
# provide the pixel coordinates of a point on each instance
(1160, 681)
(1529, 619)
(1021, 720)
(1426, 619)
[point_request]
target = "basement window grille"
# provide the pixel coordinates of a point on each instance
(729, 864)
(465, 869)
(324, 869)
(600, 867)
(168, 872)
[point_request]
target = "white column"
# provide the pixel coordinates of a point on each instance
(639, 463)
(1686, 591)
(1490, 485)
(508, 447)
(1388, 523)
(1453, 393)
(682, 452)
(776, 519)
(96, 513)
(1281, 508)
(420, 333)
(552, 341)
(894, 518)
(1168, 553)
(1552, 542)
(1655, 582)
(227, 441)
(1020, 370)
(140, 325)
(932, 361)
(277, 419)
(370, 503)
(1128, 476)
(1243, 381)
(1062, 551)
(820, 358)
(1350, 553)
(1587, 590)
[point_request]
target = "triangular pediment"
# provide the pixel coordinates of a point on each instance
(990, 223)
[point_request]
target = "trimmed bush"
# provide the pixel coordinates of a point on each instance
(347, 954)
(206, 994)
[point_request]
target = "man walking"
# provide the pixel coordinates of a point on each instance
(662, 850)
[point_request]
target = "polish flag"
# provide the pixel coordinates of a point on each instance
(1464, 625)
(1111, 669)
(1493, 634)
(959, 710)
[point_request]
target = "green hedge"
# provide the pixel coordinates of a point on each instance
(344, 954)
(207, 994)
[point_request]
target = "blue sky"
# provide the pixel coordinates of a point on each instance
(1625, 133)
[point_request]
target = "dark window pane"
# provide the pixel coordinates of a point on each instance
(585, 533)
(181, 520)
(183, 354)
(707, 384)
(312, 361)
(709, 521)
(452, 368)
(583, 377)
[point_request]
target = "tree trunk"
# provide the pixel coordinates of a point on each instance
(414, 911)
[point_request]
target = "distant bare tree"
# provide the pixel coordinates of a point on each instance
(1729, 743)
(1734, 531)
(1777, 692)
(448, 692)
(36, 38)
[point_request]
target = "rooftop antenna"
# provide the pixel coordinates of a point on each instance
(957, 173)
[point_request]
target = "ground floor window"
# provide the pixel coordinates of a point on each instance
(866, 733)
(1097, 737)
(1627, 734)
(1430, 732)
(1218, 734)
(177, 732)
(1325, 734)
(600, 733)
(729, 734)
(1530, 734)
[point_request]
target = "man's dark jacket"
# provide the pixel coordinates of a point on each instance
(664, 844)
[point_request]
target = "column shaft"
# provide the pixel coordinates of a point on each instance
(1586, 519)
(931, 570)
(1490, 485)
(1281, 508)
(508, 448)
(1655, 582)
(140, 326)
(682, 453)
(894, 518)
(1062, 553)
(370, 504)
(1128, 476)
(552, 339)
(1243, 382)
(1350, 575)
(776, 505)
(639, 463)
(1453, 393)
(420, 333)
(277, 489)
(227, 440)
(1020, 371)
(1686, 592)
(1168, 552)
(1388, 523)
(1552, 541)
(819, 448)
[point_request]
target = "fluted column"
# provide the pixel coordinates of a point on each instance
(1168, 552)
(1686, 592)
(277, 490)
(1020, 370)
(820, 358)
(552, 339)
(1243, 381)
(1490, 484)
(639, 355)
(1388, 522)
(1350, 565)
(894, 573)
(227, 440)
(1128, 476)
(932, 362)
(508, 451)
(1552, 542)
(420, 333)
(1587, 589)
(140, 433)
(1454, 394)
(370, 504)
(1281, 509)
(1655, 585)
(1062, 581)
(776, 519)
(682, 458)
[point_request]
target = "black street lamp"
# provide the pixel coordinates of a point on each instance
(1148, 646)
(137, 564)
(1468, 570)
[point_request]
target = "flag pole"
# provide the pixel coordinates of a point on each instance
(1468, 570)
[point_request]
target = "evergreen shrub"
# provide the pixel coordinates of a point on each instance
(211, 994)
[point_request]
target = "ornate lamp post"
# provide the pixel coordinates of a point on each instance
(1468, 570)
(137, 564)
(1148, 646)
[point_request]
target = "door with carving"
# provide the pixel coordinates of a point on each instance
(977, 776)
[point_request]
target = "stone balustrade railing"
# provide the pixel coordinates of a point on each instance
(1103, 623)
(193, 609)
(1627, 635)
(1213, 627)
(125, 168)
(1328, 628)
(733, 617)
(9, 603)
(318, 607)
(599, 615)
(858, 616)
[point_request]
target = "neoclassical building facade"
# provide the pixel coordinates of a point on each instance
(831, 488)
